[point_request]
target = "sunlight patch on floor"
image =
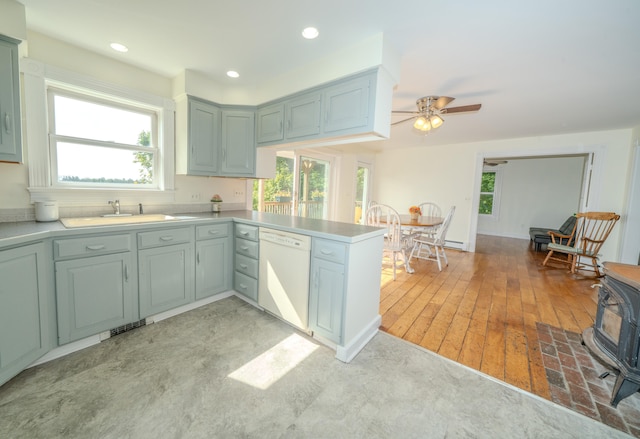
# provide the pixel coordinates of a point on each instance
(267, 368)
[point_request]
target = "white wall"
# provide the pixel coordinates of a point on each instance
(535, 192)
(447, 175)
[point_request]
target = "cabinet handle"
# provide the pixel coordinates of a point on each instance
(244, 232)
(244, 266)
(166, 238)
(213, 232)
(198, 258)
(95, 247)
(7, 123)
(243, 287)
(326, 252)
(126, 273)
(289, 125)
(245, 248)
(280, 125)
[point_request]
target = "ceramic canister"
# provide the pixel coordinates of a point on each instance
(46, 210)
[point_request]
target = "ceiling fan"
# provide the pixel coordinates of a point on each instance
(430, 109)
(494, 162)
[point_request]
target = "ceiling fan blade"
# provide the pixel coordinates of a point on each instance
(461, 109)
(442, 102)
(403, 120)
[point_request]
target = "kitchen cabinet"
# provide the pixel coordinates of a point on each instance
(346, 106)
(165, 270)
(238, 144)
(10, 132)
(95, 285)
(327, 289)
(24, 328)
(214, 253)
(270, 123)
(245, 278)
(293, 119)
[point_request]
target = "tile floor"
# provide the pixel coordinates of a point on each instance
(574, 381)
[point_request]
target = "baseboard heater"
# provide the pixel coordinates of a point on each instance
(128, 327)
(455, 244)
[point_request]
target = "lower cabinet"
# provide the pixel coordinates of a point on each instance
(95, 285)
(24, 307)
(214, 252)
(327, 289)
(245, 277)
(164, 270)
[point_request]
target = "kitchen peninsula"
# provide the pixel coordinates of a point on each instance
(69, 288)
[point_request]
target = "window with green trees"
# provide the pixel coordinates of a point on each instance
(488, 193)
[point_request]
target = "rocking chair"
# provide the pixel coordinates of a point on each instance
(589, 233)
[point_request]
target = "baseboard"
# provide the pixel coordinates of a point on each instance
(348, 352)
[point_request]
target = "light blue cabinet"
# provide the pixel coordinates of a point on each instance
(24, 313)
(247, 248)
(238, 144)
(165, 270)
(214, 253)
(95, 284)
(10, 134)
(270, 123)
(347, 106)
(204, 134)
(327, 289)
(302, 116)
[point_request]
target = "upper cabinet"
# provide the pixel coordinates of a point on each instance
(347, 108)
(219, 141)
(10, 138)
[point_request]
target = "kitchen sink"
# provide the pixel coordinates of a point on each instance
(118, 219)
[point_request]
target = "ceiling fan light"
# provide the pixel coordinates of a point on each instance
(420, 123)
(435, 121)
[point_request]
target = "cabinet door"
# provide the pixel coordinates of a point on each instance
(93, 295)
(303, 116)
(10, 143)
(346, 106)
(326, 297)
(164, 278)
(238, 143)
(270, 127)
(204, 123)
(213, 267)
(23, 309)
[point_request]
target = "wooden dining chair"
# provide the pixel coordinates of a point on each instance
(589, 233)
(429, 209)
(431, 246)
(395, 242)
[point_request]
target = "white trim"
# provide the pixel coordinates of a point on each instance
(36, 76)
(348, 352)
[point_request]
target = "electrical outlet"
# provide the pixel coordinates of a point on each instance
(195, 197)
(239, 193)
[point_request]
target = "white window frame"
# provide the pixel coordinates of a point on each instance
(497, 189)
(37, 78)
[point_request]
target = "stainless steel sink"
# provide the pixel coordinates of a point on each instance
(109, 220)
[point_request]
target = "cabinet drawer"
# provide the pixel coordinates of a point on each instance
(164, 237)
(329, 250)
(247, 232)
(247, 265)
(98, 245)
(212, 231)
(247, 248)
(245, 285)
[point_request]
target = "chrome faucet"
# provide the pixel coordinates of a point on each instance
(116, 206)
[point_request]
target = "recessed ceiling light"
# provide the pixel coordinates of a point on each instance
(233, 74)
(310, 33)
(119, 47)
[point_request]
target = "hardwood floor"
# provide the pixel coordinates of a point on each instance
(482, 309)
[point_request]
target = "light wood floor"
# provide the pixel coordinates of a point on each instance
(482, 309)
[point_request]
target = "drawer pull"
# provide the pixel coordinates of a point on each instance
(243, 287)
(326, 252)
(244, 232)
(166, 238)
(244, 266)
(244, 248)
(95, 247)
(213, 232)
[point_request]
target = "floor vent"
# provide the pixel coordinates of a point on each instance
(127, 327)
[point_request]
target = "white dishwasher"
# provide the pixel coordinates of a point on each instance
(283, 281)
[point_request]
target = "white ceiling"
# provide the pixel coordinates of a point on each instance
(538, 68)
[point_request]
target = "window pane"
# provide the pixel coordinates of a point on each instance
(90, 120)
(95, 164)
(488, 182)
(486, 204)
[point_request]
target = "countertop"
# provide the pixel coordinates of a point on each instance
(18, 232)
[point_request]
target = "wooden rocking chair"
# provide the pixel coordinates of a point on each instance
(589, 233)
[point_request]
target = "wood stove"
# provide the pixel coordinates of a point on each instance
(615, 337)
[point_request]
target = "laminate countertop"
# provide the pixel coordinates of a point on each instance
(12, 233)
